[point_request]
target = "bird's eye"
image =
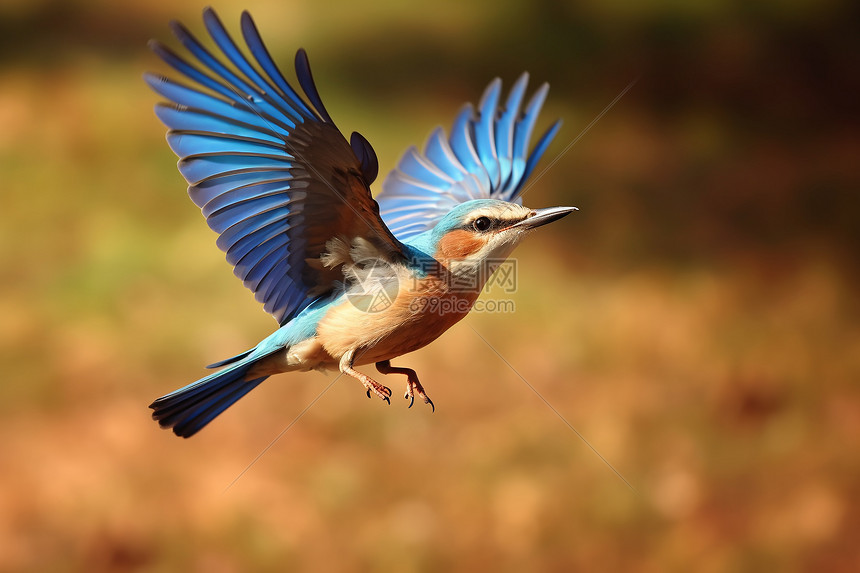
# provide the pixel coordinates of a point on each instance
(482, 224)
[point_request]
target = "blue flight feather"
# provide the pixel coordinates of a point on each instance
(525, 126)
(273, 276)
(505, 132)
(232, 190)
(199, 167)
(253, 258)
(236, 233)
(242, 92)
(235, 213)
(484, 157)
(414, 165)
(189, 71)
(273, 257)
(306, 80)
(485, 140)
(537, 152)
(463, 143)
(185, 144)
(262, 56)
(196, 100)
(251, 243)
(439, 152)
(184, 119)
(264, 88)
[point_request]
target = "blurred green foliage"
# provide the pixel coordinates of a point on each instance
(697, 321)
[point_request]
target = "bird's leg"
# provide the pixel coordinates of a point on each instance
(413, 386)
(369, 383)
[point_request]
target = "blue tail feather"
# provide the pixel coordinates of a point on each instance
(189, 409)
(230, 360)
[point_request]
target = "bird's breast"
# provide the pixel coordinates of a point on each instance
(384, 325)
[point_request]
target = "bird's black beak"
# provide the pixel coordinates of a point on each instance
(540, 217)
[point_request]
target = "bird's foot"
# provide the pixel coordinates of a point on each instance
(371, 385)
(384, 392)
(413, 386)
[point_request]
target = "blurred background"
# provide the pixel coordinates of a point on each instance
(696, 321)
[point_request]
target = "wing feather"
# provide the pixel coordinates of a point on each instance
(485, 157)
(264, 59)
(484, 128)
(202, 167)
(270, 172)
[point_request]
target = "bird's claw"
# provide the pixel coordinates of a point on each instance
(382, 391)
(414, 387)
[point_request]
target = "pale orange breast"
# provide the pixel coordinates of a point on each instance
(422, 311)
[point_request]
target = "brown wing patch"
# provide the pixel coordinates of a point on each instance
(338, 203)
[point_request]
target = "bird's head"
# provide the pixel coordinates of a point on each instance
(487, 229)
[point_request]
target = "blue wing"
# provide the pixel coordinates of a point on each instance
(485, 157)
(271, 172)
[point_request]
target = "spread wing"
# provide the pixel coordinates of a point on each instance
(271, 172)
(485, 157)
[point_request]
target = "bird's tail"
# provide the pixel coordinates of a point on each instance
(189, 409)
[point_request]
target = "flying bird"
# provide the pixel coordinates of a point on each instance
(350, 280)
